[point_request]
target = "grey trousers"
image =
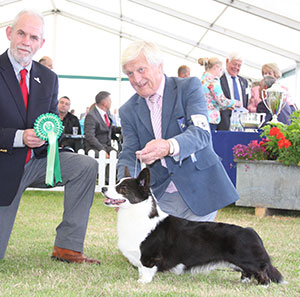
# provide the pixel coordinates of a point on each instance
(173, 204)
(79, 175)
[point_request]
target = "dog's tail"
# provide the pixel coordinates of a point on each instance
(274, 274)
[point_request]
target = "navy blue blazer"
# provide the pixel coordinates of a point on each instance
(203, 184)
(226, 114)
(13, 116)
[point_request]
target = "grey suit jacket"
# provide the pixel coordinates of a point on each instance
(203, 184)
(97, 134)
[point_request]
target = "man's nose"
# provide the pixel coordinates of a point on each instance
(137, 77)
(26, 39)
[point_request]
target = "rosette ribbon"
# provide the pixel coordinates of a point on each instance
(49, 127)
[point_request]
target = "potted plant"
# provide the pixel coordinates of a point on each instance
(268, 171)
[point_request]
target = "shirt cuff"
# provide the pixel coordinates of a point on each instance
(18, 141)
(176, 151)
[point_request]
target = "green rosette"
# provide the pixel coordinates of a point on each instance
(49, 127)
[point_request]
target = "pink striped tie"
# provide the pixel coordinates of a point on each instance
(156, 125)
(156, 115)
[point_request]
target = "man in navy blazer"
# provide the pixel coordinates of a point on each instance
(233, 65)
(187, 176)
(17, 138)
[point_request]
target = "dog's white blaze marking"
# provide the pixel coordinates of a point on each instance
(178, 269)
(212, 266)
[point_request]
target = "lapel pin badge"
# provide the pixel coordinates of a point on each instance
(37, 79)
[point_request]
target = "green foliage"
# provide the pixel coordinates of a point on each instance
(284, 141)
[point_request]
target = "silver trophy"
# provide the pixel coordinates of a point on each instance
(274, 100)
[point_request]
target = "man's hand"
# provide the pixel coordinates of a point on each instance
(31, 140)
(154, 150)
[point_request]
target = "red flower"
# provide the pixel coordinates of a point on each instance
(274, 131)
(284, 143)
(279, 135)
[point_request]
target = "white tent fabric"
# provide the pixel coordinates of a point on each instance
(85, 39)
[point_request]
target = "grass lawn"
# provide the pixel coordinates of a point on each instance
(27, 269)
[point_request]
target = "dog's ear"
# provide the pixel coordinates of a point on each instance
(126, 172)
(144, 178)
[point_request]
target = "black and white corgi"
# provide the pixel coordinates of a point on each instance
(155, 241)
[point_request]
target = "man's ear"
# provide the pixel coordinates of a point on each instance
(9, 32)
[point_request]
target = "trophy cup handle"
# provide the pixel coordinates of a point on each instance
(262, 117)
(264, 99)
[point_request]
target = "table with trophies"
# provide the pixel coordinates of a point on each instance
(250, 124)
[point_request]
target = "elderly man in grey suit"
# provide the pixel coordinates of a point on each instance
(234, 86)
(98, 126)
(29, 89)
(165, 125)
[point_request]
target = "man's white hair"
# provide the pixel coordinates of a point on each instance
(150, 50)
(235, 56)
(30, 12)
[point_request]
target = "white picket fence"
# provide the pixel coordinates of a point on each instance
(102, 161)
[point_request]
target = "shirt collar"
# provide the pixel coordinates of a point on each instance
(161, 88)
(101, 111)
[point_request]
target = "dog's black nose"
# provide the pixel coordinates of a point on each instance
(104, 189)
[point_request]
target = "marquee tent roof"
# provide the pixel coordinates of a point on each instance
(85, 38)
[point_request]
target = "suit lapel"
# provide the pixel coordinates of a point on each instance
(243, 88)
(169, 100)
(143, 114)
(9, 77)
(35, 91)
(100, 119)
(225, 86)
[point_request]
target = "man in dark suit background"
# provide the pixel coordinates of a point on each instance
(230, 77)
(98, 126)
(27, 90)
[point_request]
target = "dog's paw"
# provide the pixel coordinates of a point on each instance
(246, 280)
(144, 280)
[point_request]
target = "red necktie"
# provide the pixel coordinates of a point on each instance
(106, 120)
(24, 90)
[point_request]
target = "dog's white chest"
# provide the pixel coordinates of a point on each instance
(133, 227)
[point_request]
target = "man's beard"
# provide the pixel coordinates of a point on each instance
(23, 60)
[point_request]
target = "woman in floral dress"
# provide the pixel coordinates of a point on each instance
(213, 91)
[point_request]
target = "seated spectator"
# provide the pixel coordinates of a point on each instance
(98, 126)
(285, 114)
(184, 71)
(71, 125)
(215, 97)
(46, 61)
(271, 69)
